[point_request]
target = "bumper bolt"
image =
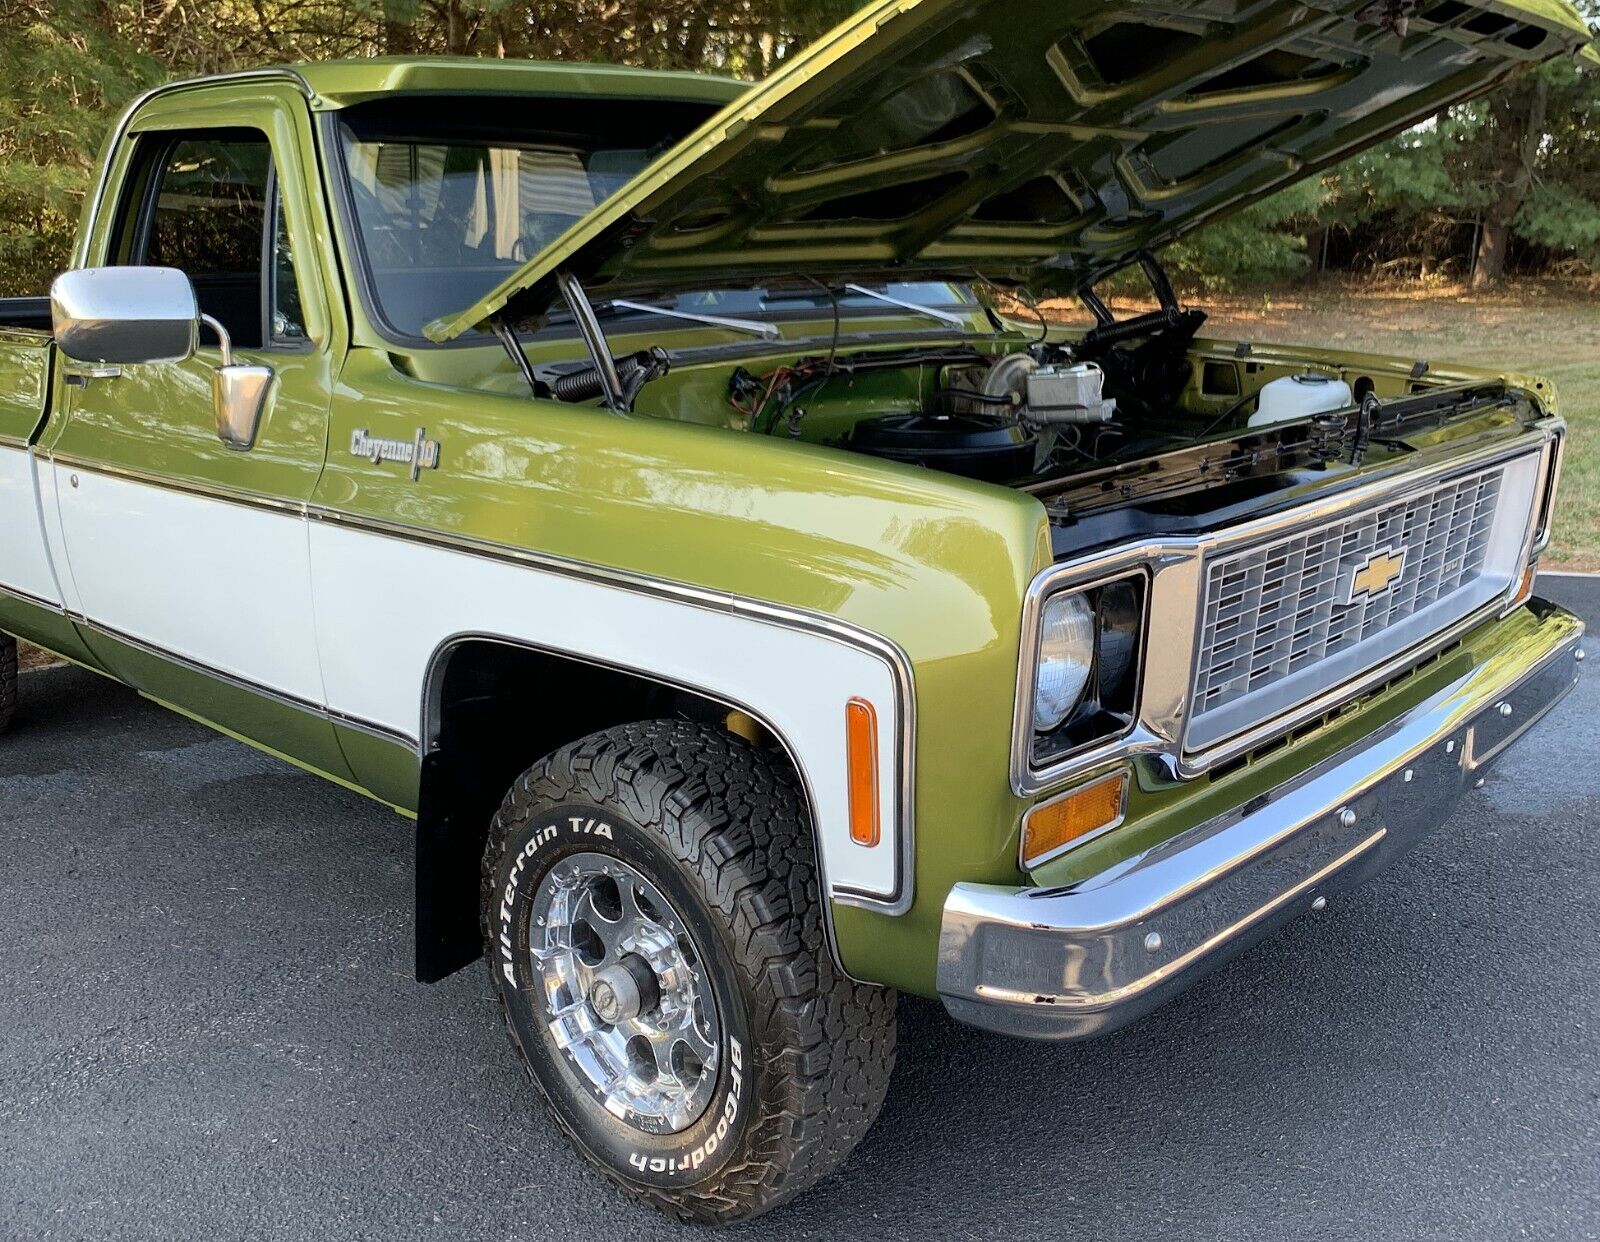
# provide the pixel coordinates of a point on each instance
(1450, 748)
(1152, 942)
(1319, 904)
(1347, 817)
(1504, 709)
(1580, 655)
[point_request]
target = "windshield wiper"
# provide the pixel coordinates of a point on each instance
(949, 317)
(755, 326)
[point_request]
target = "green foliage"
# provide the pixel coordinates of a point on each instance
(63, 71)
(1562, 220)
(1263, 244)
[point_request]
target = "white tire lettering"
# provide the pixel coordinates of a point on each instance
(730, 1112)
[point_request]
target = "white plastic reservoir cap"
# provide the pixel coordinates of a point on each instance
(1300, 396)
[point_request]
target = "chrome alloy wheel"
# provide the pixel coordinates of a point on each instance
(625, 993)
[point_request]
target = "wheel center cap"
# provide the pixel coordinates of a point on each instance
(617, 993)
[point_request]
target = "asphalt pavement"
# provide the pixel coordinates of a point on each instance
(208, 1030)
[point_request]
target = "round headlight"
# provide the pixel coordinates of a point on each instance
(1066, 657)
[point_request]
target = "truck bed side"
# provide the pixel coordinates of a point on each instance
(25, 354)
(27, 575)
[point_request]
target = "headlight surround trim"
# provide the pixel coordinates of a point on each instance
(1109, 616)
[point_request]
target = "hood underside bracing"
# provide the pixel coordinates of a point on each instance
(1027, 141)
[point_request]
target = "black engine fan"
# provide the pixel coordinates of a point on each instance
(964, 444)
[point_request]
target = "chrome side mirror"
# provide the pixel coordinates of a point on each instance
(124, 315)
(108, 317)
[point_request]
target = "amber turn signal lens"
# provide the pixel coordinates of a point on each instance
(1525, 587)
(1056, 825)
(861, 753)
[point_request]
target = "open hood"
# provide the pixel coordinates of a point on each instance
(1030, 140)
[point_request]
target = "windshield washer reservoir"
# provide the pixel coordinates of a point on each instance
(1300, 396)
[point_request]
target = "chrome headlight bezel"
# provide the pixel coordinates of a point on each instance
(1110, 617)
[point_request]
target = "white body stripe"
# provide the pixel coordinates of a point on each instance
(350, 621)
(219, 584)
(384, 606)
(25, 566)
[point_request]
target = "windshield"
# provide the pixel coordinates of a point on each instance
(446, 210)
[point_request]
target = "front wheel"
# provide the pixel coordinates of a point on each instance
(8, 681)
(654, 929)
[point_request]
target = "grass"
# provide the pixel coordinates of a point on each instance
(31, 657)
(1544, 327)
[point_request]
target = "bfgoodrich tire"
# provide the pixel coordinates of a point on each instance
(654, 929)
(8, 681)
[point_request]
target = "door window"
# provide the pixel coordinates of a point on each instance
(213, 210)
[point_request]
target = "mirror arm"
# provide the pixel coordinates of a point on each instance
(223, 339)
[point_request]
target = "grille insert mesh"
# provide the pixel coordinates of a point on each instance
(1284, 608)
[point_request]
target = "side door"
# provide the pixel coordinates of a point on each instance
(188, 562)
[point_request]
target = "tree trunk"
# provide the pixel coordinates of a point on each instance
(461, 31)
(399, 28)
(1519, 119)
(1494, 239)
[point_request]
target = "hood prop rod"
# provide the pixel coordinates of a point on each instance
(594, 338)
(513, 347)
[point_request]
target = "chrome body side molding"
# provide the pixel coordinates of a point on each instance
(369, 727)
(888, 653)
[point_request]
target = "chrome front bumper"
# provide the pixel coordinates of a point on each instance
(1073, 962)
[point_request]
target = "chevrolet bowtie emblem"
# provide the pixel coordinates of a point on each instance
(1371, 575)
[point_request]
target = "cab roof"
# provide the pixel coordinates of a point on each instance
(340, 83)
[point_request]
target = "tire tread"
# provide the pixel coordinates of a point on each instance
(827, 1042)
(8, 681)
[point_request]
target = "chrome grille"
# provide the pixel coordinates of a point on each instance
(1283, 622)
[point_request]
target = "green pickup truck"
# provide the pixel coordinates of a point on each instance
(660, 491)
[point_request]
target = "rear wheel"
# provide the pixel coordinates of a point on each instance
(655, 933)
(8, 681)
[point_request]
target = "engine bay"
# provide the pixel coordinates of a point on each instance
(1001, 418)
(1092, 432)
(1130, 414)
